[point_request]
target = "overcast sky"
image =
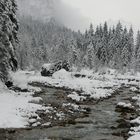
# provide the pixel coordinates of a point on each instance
(98, 11)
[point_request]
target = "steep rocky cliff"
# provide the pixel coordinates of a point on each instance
(8, 37)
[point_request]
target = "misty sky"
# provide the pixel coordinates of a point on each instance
(99, 11)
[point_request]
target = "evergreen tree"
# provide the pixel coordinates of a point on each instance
(90, 54)
(118, 46)
(91, 32)
(136, 54)
(125, 49)
(137, 46)
(8, 37)
(130, 43)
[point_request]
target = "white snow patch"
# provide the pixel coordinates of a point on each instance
(36, 100)
(135, 137)
(20, 78)
(48, 109)
(76, 97)
(33, 89)
(60, 115)
(76, 107)
(133, 89)
(61, 74)
(101, 93)
(47, 66)
(36, 124)
(86, 72)
(16, 108)
(122, 104)
(32, 120)
(46, 124)
(137, 120)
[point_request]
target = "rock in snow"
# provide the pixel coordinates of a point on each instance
(49, 69)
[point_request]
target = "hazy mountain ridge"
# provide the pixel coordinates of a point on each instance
(44, 10)
(37, 9)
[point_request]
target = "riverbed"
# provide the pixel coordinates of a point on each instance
(101, 122)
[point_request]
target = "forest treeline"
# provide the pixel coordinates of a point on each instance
(103, 46)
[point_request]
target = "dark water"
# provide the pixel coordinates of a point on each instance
(101, 124)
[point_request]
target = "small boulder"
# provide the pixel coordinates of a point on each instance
(9, 84)
(49, 69)
(125, 107)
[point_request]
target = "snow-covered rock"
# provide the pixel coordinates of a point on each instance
(32, 121)
(36, 124)
(74, 106)
(49, 69)
(136, 121)
(46, 124)
(125, 105)
(74, 96)
(133, 89)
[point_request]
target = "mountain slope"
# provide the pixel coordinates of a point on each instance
(37, 9)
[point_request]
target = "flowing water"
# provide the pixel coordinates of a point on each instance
(103, 122)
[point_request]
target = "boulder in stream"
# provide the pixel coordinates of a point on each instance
(125, 107)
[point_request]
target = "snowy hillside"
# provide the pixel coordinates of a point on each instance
(37, 9)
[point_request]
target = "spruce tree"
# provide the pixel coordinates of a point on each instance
(136, 53)
(8, 37)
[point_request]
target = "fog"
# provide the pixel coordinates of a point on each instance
(61, 11)
(98, 11)
(78, 14)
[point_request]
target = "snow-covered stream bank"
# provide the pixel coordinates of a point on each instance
(85, 88)
(104, 121)
(16, 108)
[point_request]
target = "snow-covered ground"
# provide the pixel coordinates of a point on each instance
(135, 137)
(96, 85)
(18, 106)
